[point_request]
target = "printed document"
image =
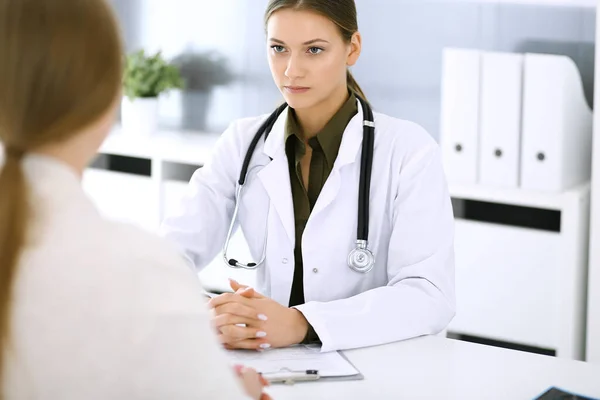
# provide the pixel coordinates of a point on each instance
(296, 358)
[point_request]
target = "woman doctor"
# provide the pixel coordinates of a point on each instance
(299, 206)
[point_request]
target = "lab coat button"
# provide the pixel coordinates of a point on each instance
(315, 270)
(284, 260)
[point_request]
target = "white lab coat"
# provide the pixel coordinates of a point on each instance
(101, 310)
(409, 292)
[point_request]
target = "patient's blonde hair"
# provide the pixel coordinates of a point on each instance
(60, 72)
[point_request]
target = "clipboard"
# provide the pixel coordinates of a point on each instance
(288, 377)
(279, 366)
(358, 377)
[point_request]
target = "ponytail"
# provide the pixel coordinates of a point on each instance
(14, 215)
(45, 106)
(353, 85)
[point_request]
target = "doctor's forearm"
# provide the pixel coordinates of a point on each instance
(379, 316)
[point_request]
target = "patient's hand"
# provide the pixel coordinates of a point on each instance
(252, 382)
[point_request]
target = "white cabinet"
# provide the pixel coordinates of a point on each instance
(168, 161)
(124, 197)
(506, 283)
(521, 267)
(173, 191)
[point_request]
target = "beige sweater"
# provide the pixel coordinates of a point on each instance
(104, 311)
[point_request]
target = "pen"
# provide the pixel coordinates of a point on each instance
(291, 377)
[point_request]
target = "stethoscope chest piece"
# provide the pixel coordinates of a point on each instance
(360, 258)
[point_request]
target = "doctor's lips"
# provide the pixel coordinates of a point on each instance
(296, 89)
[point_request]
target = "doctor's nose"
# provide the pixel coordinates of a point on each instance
(294, 68)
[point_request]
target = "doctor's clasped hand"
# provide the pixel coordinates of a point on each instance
(267, 323)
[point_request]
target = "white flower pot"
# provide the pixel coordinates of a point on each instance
(140, 116)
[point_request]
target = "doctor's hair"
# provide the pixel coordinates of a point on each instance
(60, 72)
(341, 12)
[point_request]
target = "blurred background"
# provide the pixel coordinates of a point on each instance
(400, 66)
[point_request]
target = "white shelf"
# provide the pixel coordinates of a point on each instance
(517, 197)
(186, 147)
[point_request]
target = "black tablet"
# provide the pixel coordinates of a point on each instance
(555, 393)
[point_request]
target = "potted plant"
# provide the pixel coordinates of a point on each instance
(201, 72)
(145, 78)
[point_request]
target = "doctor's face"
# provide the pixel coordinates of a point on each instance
(307, 56)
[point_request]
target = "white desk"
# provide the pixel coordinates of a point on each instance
(438, 368)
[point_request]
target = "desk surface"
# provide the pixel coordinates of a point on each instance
(440, 368)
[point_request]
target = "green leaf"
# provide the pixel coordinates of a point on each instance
(149, 75)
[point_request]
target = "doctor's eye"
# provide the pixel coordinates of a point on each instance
(277, 48)
(315, 50)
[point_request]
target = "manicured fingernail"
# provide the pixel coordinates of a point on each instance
(261, 334)
(265, 346)
(262, 317)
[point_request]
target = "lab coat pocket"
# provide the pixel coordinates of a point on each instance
(253, 215)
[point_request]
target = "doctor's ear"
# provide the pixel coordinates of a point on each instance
(355, 49)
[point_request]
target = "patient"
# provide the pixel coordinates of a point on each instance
(89, 309)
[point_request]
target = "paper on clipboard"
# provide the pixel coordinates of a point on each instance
(296, 358)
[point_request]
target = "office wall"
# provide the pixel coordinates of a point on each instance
(400, 66)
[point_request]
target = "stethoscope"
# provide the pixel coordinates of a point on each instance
(360, 259)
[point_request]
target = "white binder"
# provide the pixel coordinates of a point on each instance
(459, 128)
(557, 125)
(500, 119)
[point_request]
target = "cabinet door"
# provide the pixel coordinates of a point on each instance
(509, 290)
